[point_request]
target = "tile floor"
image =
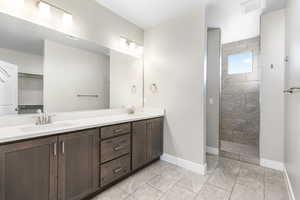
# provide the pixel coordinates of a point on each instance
(226, 180)
(242, 152)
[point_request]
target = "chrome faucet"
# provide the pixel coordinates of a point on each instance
(43, 118)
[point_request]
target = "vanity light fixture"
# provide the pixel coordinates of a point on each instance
(44, 10)
(131, 46)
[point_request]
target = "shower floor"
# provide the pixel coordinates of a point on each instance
(242, 152)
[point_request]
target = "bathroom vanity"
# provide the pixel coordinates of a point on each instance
(78, 164)
(88, 142)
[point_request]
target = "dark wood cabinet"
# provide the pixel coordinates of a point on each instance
(73, 166)
(115, 153)
(28, 170)
(115, 147)
(139, 144)
(155, 138)
(114, 170)
(78, 169)
(115, 130)
(147, 141)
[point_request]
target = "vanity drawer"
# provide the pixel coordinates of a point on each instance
(115, 130)
(114, 170)
(115, 147)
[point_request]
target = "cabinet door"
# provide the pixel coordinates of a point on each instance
(155, 138)
(28, 170)
(139, 144)
(78, 174)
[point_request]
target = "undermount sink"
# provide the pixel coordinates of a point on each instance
(45, 127)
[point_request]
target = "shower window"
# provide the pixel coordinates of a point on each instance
(240, 63)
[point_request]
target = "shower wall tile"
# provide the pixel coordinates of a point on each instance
(240, 114)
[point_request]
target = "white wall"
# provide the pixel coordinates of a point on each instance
(27, 63)
(292, 105)
(174, 60)
(213, 87)
(91, 21)
(69, 72)
(272, 86)
(30, 90)
(235, 24)
(125, 72)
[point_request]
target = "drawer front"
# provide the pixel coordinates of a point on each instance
(115, 147)
(114, 170)
(115, 130)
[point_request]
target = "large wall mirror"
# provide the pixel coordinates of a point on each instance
(41, 69)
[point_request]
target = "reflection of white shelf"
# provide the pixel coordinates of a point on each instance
(27, 109)
(30, 89)
(27, 75)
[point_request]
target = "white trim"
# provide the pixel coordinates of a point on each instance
(189, 165)
(212, 150)
(272, 164)
(289, 185)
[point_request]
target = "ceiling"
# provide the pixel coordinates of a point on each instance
(148, 13)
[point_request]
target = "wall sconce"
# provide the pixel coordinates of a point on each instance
(133, 89)
(131, 47)
(153, 88)
(45, 12)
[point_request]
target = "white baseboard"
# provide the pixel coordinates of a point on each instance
(189, 165)
(272, 164)
(289, 185)
(212, 150)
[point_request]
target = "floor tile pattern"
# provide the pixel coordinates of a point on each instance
(226, 180)
(241, 152)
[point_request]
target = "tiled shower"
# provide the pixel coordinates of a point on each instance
(240, 108)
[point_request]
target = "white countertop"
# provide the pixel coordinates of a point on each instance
(15, 133)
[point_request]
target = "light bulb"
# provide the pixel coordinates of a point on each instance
(123, 42)
(132, 46)
(16, 4)
(140, 50)
(67, 19)
(44, 10)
